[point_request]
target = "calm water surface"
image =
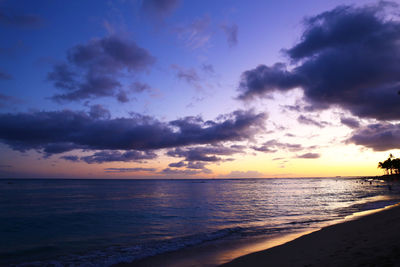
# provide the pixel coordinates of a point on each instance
(103, 222)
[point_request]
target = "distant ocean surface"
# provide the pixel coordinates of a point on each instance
(104, 222)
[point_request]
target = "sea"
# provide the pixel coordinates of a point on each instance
(94, 222)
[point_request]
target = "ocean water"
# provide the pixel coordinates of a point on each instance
(104, 222)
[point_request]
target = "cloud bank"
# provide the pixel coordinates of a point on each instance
(119, 170)
(379, 136)
(138, 135)
(347, 57)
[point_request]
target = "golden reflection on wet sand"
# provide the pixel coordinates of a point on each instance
(276, 241)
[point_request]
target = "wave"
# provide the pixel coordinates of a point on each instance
(269, 208)
(119, 254)
(122, 254)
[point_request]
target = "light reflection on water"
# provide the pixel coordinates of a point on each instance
(113, 220)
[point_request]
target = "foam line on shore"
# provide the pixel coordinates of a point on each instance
(362, 238)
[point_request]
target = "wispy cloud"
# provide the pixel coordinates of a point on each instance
(310, 121)
(243, 174)
(231, 32)
(5, 76)
(17, 19)
(159, 8)
(350, 122)
(119, 170)
(189, 75)
(274, 145)
(196, 34)
(309, 156)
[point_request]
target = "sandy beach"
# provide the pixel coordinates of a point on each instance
(371, 240)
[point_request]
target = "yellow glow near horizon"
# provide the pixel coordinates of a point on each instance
(341, 160)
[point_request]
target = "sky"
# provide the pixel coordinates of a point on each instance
(198, 89)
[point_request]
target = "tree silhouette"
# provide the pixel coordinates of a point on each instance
(391, 165)
(396, 165)
(381, 165)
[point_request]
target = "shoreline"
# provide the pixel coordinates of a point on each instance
(213, 253)
(368, 238)
(246, 252)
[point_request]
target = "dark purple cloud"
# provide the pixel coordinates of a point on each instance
(196, 165)
(114, 170)
(6, 100)
(5, 76)
(350, 122)
(301, 108)
(236, 126)
(347, 57)
(198, 157)
(188, 75)
(99, 112)
(191, 165)
(159, 8)
(208, 68)
(342, 26)
(63, 77)
(14, 19)
(309, 156)
(204, 153)
(193, 155)
(263, 148)
(274, 145)
(93, 86)
(62, 131)
(310, 121)
(379, 136)
(139, 87)
(53, 148)
(110, 54)
(179, 164)
(71, 158)
(231, 32)
(111, 156)
(263, 80)
(122, 96)
(93, 69)
(169, 171)
(5, 166)
(242, 174)
(296, 108)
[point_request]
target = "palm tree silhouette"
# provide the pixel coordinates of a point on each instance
(381, 165)
(396, 165)
(391, 165)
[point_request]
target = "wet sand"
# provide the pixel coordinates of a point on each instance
(213, 253)
(370, 240)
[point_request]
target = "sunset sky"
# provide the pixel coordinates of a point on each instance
(198, 89)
